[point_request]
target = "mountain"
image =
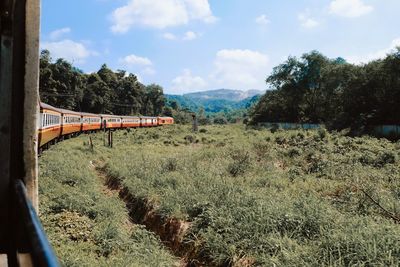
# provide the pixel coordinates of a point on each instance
(213, 101)
(223, 94)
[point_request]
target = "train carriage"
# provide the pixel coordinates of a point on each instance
(49, 127)
(111, 121)
(130, 121)
(90, 122)
(165, 120)
(146, 121)
(71, 122)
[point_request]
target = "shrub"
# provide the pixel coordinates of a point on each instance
(190, 138)
(220, 120)
(241, 162)
(171, 164)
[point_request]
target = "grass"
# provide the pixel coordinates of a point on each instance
(288, 198)
(86, 225)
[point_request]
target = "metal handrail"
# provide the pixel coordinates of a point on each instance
(34, 238)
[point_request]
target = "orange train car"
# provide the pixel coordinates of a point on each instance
(111, 121)
(49, 127)
(90, 122)
(71, 122)
(165, 120)
(130, 122)
(55, 123)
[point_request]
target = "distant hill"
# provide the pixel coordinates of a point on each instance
(220, 100)
(223, 94)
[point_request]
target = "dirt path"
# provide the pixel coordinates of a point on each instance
(113, 188)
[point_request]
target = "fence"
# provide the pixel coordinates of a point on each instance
(390, 131)
(387, 130)
(289, 125)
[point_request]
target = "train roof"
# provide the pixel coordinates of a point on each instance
(67, 111)
(47, 106)
(148, 117)
(127, 117)
(89, 114)
(60, 110)
(110, 115)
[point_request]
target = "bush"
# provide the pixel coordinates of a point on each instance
(171, 164)
(190, 138)
(241, 162)
(220, 120)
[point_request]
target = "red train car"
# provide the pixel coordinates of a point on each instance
(165, 120)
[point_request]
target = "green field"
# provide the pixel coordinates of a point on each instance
(247, 197)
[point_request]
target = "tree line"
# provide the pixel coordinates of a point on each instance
(316, 89)
(105, 91)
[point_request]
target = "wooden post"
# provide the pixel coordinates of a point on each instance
(108, 138)
(91, 143)
(195, 127)
(111, 139)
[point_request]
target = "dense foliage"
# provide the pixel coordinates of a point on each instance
(105, 91)
(316, 89)
(211, 106)
(211, 110)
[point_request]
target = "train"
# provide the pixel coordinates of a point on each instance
(57, 123)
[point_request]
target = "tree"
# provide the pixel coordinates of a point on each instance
(320, 90)
(155, 99)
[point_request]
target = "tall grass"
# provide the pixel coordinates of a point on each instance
(87, 225)
(288, 198)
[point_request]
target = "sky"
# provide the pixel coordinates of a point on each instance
(196, 45)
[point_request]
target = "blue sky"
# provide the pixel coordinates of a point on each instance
(194, 45)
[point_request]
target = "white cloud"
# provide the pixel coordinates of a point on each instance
(349, 8)
(159, 14)
(375, 55)
(240, 69)
(74, 52)
(262, 20)
(187, 82)
(169, 36)
(135, 60)
(148, 71)
(58, 33)
(189, 36)
(200, 9)
(307, 22)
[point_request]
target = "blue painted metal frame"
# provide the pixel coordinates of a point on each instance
(34, 238)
